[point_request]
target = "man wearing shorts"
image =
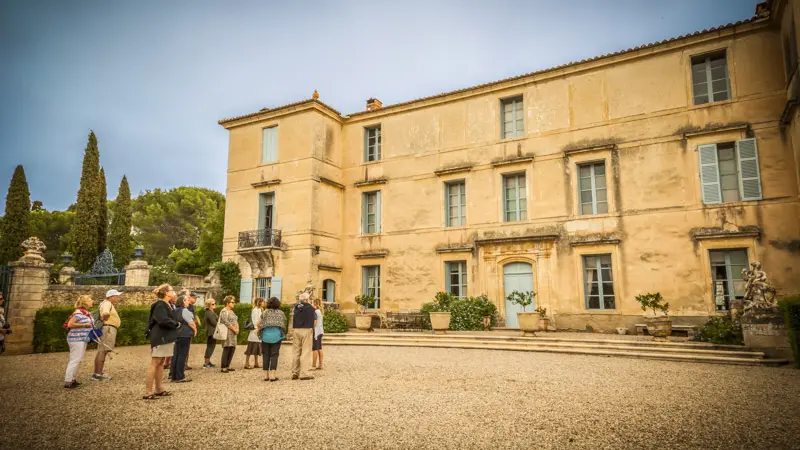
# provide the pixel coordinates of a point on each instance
(111, 322)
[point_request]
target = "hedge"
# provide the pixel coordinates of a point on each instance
(791, 313)
(466, 314)
(49, 336)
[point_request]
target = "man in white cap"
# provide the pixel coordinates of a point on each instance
(111, 322)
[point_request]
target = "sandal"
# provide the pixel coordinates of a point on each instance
(248, 367)
(150, 397)
(163, 394)
(274, 379)
(225, 370)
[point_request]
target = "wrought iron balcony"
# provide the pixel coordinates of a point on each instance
(259, 238)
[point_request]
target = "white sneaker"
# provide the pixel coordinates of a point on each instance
(100, 377)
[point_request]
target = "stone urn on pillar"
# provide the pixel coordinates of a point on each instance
(31, 278)
(137, 273)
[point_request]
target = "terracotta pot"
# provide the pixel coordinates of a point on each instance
(363, 323)
(528, 322)
(440, 322)
(545, 323)
(659, 327)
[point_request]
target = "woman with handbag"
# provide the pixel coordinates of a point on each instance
(210, 318)
(253, 341)
(162, 329)
(271, 330)
(79, 324)
(230, 323)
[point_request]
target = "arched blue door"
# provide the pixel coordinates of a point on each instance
(517, 276)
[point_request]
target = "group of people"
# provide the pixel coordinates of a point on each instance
(172, 324)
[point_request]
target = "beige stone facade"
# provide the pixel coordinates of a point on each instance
(531, 155)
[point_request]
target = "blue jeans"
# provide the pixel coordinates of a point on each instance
(181, 352)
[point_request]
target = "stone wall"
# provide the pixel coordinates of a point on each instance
(58, 295)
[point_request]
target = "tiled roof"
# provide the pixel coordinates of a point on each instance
(277, 108)
(505, 80)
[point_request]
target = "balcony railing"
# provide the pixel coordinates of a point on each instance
(259, 238)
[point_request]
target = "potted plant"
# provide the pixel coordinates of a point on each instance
(545, 322)
(364, 320)
(528, 321)
(658, 326)
(440, 313)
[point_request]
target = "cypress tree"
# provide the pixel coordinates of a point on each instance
(16, 223)
(102, 208)
(87, 218)
(119, 235)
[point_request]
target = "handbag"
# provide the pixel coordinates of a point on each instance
(248, 324)
(221, 332)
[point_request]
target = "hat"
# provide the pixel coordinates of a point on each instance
(112, 293)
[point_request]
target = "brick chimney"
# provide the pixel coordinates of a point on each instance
(373, 104)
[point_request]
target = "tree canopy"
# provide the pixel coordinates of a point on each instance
(87, 222)
(119, 235)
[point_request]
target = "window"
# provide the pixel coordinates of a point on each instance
(598, 282)
(372, 143)
(592, 186)
(269, 145)
(329, 291)
(515, 201)
(371, 283)
(729, 172)
(456, 278)
(455, 204)
(726, 275)
(512, 118)
(266, 203)
(710, 78)
(371, 212)
(262, 288)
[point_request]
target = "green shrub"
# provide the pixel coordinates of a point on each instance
(230, 278)
(653, 301)
(791, 313)
(466, 314)
(721, 330)
(334, 322)
(161, 274)
(49, 336)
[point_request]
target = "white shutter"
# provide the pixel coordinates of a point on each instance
(749, 174)
(275, 289)
(709, 174)
(246, 290)
(269, 145)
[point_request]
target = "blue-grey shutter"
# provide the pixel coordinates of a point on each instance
(269, 145)
(447, 188)
(364, 213)
(366, 144)
(262, 207)
(749, 174)
(275, 289)
(364, 282)
(447, 271)
(246, 290)
(378, 212)
(709, 174)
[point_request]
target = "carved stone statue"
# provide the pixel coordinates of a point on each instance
(307, 292)
(33, 245)
(758, 292)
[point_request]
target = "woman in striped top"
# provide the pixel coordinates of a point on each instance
(80, 324)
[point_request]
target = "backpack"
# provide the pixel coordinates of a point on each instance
(97, 320)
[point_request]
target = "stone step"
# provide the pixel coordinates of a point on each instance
(618, 345)
(665, 353)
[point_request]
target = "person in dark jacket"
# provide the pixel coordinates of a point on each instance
(210, 318)
(186, 332)
(162, 329)
(303, 324)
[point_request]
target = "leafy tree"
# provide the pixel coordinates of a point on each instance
(188, 261)
(208, 252)
(164, 220)
(102, 208)
(230, 278)
(16, 223)
(87, 220)
(119, 236)
(37, 205)
(53, 228)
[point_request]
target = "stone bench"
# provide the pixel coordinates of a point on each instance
(690, 330)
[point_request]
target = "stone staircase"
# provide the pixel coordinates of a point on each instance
(670, 351)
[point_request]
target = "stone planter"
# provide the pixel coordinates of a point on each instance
(545, 322)
(659, 327)
(440, 322)
(528, 322)
(363, 323)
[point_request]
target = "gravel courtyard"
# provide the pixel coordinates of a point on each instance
(373, 397)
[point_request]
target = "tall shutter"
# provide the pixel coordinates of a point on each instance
(378, 212)
(269, 145)
(363, 213)
(364, 276)
(246, 290)
(262, 209)
(275, 289)
(749, 174)
(709, 174)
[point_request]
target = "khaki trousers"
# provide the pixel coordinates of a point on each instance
(301, 351)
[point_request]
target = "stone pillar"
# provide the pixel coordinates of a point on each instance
(765, 330)
(137, 273)
(66, 275)
(31, 278)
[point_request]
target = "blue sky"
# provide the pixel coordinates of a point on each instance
(152, 78)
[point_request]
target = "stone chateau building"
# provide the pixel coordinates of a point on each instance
(667, 167)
